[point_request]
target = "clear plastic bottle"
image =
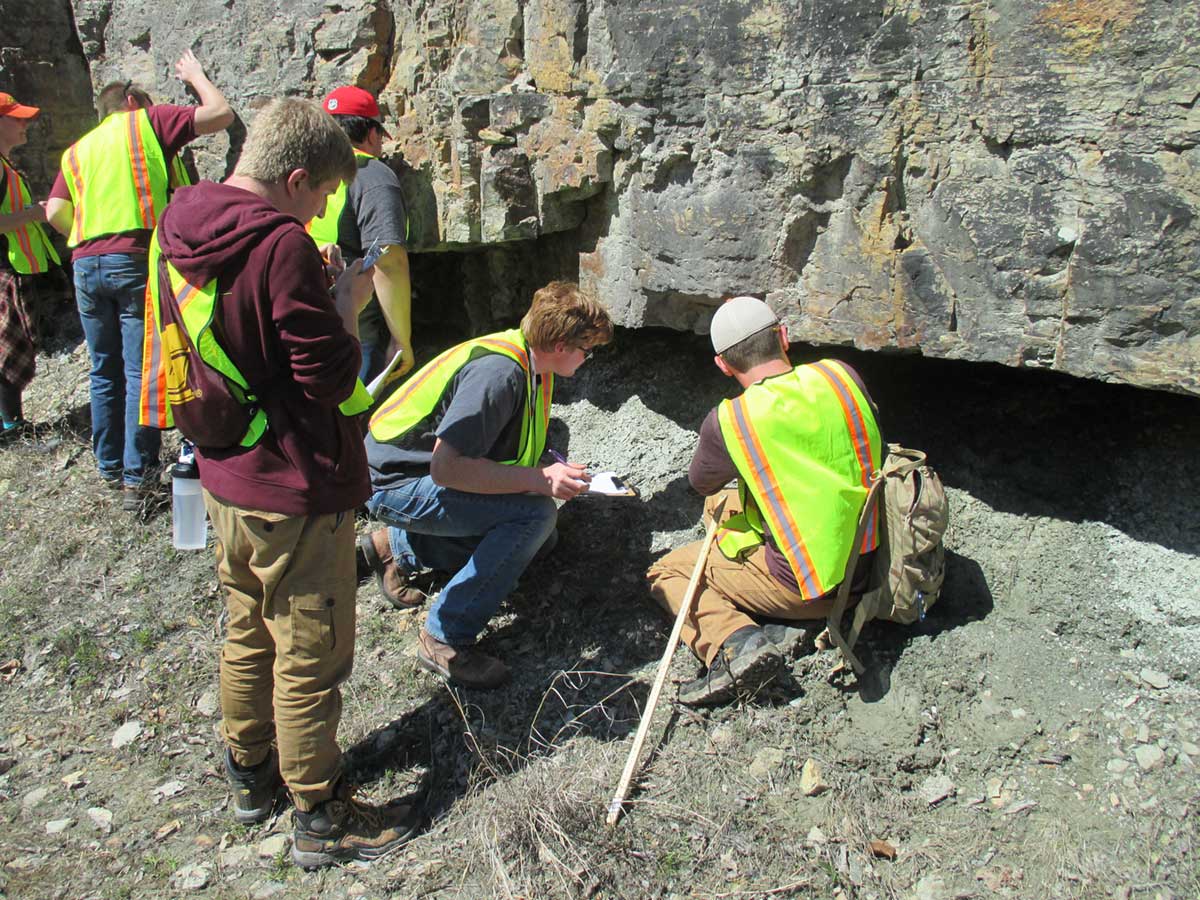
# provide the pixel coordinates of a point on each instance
(187, 503)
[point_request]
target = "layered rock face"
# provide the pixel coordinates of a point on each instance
(1008, 181)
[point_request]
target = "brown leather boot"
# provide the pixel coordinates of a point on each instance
(465, 666)
(395, 585)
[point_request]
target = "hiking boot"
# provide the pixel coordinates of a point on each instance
(465, 666)
(397, 587)
(254, 789)
(791, 639)
(745, 662)
(144, 497)
(343, 829)
(14, 431)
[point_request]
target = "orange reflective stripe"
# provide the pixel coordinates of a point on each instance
(836, 376)
(783, 526)
(185, 296)
(141, 171)
(15, 204)
(409, 387)
(77, 194)
(517, 350)
(547, 397)
(152, 412)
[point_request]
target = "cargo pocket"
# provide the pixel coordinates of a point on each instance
(313, 631)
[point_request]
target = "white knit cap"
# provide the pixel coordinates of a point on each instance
(738, 319)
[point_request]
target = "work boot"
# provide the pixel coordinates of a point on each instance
(745, 662)
(465, 666)
(791, 640)
(145, 497)
(399, 588)
(254, 789)
(343, 829)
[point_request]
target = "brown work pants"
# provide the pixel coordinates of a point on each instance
(290, 587)
(730, 592)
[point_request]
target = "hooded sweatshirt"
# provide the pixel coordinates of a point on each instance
(277, 321)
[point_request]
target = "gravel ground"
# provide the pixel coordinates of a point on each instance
(1035, 736)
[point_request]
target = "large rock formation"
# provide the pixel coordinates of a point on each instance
(1007, 181)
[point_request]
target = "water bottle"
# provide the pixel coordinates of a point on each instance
(187, 503)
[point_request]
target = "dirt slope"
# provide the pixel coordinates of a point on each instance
(1035, 737)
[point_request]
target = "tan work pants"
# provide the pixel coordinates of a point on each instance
(290, 591)
(728, 593)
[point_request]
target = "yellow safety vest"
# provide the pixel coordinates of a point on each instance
(29, 247)
(325, 229)
(416, 398)
(165, 355)
(118, 177)
(805, 445)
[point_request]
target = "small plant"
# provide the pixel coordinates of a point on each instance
(161, 864)
(144, 638)
(281, 865)
(75, 649)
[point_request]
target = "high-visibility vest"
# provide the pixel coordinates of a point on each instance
(118, 177)
(324, 230)
(164, 355)
(805, 445)
(29, 249)
(416, 398)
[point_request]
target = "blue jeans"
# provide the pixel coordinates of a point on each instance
(486, 540)
(110, 291)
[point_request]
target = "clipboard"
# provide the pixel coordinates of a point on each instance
(380, 381)
(609, 484)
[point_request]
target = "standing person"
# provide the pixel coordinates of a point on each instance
(371, 210)
(282, 496)
(457, 472)
(112, 188)
(802, 442)
(29, 253)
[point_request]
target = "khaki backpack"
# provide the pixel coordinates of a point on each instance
(910, 564)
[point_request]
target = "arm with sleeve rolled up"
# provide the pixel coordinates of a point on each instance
(214, 112)
(394, 290)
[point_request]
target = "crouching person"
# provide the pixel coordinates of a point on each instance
(281, 486)
(456, 467)
(802, 442)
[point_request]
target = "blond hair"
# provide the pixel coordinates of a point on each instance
(292, 134)
(561, 312)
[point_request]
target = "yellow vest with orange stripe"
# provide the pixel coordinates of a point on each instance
(29, 249)
(413, 401)
(118, 177)
(805, 445)
(164, 355)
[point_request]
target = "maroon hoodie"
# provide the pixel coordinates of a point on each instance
(277, 322)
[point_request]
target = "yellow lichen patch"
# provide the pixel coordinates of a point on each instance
(1084, 23)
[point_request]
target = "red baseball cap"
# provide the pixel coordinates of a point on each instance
(353, 101)
(10, 107)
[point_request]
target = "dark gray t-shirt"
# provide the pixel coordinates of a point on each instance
(479, 415)
(374, 210)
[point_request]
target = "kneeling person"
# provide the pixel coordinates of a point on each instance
(802, 442)
(456, 467)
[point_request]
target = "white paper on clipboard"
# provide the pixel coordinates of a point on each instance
(380, 381)
(609, 484)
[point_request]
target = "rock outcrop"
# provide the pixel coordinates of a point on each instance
(1015, 182)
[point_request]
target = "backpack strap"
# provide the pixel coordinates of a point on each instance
(834, 620)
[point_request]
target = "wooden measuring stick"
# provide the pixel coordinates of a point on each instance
(618, 800)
